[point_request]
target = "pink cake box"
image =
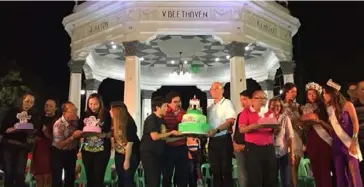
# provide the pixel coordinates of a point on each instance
(269, 122)
(91, 130)
(24, 127)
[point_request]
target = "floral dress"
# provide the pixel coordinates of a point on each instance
(292, 110)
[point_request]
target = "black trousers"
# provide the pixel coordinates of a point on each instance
(260, 165)
(152, 165)
(95, 167)
(14, 160)
(175, 158)
(220, 158)
(126, 176)
(63, 159)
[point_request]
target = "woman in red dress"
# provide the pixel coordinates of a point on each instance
(41, 168)
(319, 140)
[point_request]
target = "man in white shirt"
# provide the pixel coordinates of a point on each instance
(221, 115)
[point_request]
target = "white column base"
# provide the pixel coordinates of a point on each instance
(237, 80)
(288, 78)
(132, 94)
(75, 90)
(147, 108)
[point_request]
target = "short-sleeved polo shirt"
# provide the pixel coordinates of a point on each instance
(218, 113)
(62, 130)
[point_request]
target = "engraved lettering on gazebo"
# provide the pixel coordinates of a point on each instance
(185, 14)
(96, 28)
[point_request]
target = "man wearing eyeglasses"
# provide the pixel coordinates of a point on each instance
(64, 146)
(176, 150)
(220, 115)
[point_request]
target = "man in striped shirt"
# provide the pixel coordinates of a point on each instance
(176, 151)
(359, 106)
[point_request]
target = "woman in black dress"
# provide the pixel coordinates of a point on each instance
(96, 149)
(17, 144)
(126, 144)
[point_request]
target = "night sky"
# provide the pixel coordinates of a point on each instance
(329, 44)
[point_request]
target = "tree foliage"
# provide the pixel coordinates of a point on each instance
(12, 85)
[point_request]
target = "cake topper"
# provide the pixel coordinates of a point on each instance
(195, 103)
(314, 86)
(334, 85)
(92, 121)
(23, 117)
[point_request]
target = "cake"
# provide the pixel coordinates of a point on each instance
(92, 125)
(23, 121)
(268, 119)
(194, 122)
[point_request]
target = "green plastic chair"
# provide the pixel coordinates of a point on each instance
(29, 179)
(304, 177)
(206, 174)
(139, 175)
(83, 178)
(235, 173)
(108, 179)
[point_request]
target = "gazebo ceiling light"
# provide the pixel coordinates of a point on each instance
(180, 70)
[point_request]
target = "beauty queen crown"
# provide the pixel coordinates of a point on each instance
(333, 85)
(314, 86)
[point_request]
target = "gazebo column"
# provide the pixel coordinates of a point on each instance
(288, 71)
(237, 72)
(210, 101)
(92, 86)
(132, 98)
(267, 87)
(74, 95)
(146, 104)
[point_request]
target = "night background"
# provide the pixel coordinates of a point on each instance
(329, 44)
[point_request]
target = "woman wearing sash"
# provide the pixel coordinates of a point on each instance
(291, 108)
(319, 140)
(346, 152)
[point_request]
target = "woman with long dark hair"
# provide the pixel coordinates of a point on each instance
(126, 144)
(319, 141)
(41, 163)
(344, 121)
(291, 108)
(17, 144)
(96, 150)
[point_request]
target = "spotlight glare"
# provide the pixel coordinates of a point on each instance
(172, 62)
(217, 59)
(114, 46)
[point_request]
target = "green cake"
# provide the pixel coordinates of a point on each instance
(194, 122)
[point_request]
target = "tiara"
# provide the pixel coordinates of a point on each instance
(314, 86)
(334, 85)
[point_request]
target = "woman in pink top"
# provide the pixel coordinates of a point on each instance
(261, 166)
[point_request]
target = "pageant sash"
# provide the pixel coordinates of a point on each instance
(323, 134)
(343, 136)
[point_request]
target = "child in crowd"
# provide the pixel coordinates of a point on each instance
(194, 156)
(79, 168)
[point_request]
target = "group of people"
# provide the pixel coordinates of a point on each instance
(326, 127)
(58, 139)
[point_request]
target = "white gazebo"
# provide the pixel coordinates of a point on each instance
(149, 44)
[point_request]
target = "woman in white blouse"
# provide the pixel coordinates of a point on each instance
(283, 141)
